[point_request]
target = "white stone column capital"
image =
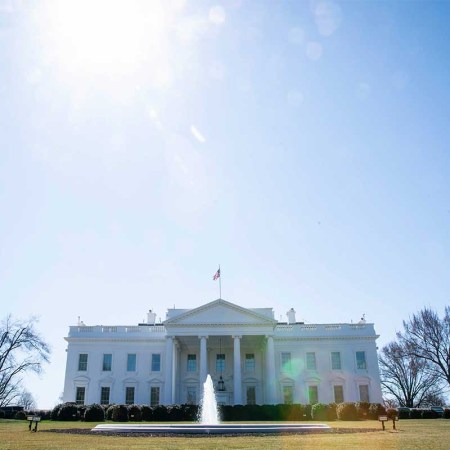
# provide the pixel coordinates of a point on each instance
(236, 336)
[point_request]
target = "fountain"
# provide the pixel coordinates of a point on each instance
(209, 414)
(209, 422)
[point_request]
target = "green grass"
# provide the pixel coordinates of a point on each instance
(410, 435)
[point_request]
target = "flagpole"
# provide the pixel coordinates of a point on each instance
(220, 283)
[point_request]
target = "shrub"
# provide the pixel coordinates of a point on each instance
(404, 413)
(147, 413)
(362, 409)
(109, 411)
(294, 412)
(190, 412)
(446, 413)
(346, 411)
(415, 413)
(81, 409)
(2, 414)
(120, 413)
(55, 412)
(376, 410)
(68, 411)
(307, 412)
(94, 413)
(160, 413)
(20, 415)
(331, 411)
(135, 413)
(175, 413)
(319, 411)
(429, 414)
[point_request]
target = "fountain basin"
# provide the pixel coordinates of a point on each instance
(196, 428)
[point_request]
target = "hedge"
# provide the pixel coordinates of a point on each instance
(280, 412)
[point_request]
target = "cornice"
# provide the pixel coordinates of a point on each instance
(101, 339)
(325, 338)
(218, 325)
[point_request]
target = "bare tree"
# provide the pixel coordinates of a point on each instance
(427, 337)
(406, 378)
(22, 350)
(26, 400)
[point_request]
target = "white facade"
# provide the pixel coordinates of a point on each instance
(260, 360)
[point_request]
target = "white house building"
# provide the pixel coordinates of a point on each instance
(251, 357)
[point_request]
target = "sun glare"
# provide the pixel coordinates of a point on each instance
(97, 35)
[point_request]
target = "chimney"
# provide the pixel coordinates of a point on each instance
(151, 317)
(291, 316)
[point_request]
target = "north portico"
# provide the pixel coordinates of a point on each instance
(251, 357)
(225, 329)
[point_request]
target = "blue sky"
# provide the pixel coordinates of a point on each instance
(301, 145)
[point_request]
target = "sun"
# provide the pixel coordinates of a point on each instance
(106, 36)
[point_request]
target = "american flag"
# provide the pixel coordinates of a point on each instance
(216, 275)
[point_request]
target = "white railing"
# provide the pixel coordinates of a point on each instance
(118, 329)
(109, 329)
(308, 327)
(133, 329)
(324, 329)
(357, 326)
(284, 328)
(333, 327)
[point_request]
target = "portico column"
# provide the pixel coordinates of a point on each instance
(270, 371)
(203, 361)
(168, 379)
(237, 371)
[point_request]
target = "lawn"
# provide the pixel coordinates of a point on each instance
(410, 434)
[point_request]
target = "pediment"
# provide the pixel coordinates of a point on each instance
(220, 312)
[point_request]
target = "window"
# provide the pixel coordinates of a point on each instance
(131, 362)
(338, 394)
(313, 395)
(250, 364)
(79, 399)
(220, 362)
(361, 360)
(107, 362)
(191, 395)
(251, 395)
(82, 361)
(129, 395)
(310, 361)
(336, 361)
(364, 393)
(104, 395)
(192, 363)
(285, 362)
(156, 362)
(288, 395)
(154, 396)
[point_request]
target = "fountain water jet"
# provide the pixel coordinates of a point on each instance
(209, 414)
